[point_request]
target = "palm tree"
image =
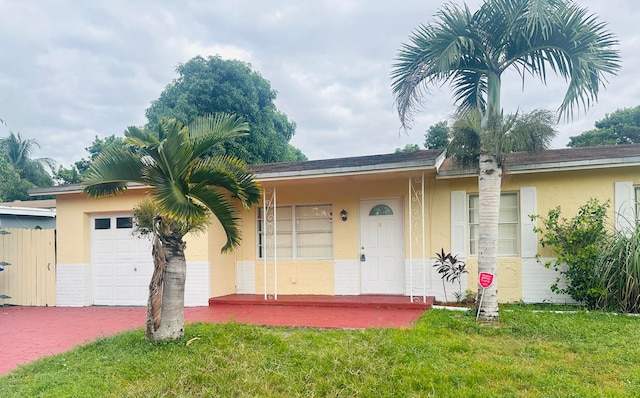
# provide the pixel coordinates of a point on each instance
(470, 51)
(18, 152)
(187, 186)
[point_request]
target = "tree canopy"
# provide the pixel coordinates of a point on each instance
(437, 136)
(212, 85)
(618, 128)
(408, 148)
(20, 171)
(12, 187)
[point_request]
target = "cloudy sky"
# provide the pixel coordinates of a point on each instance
(71, 70)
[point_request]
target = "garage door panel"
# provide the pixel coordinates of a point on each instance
(102, 273)
(102, 258)
(126, 295)
(121, 265)
(102, 247)
(103, 295)
(125, 245)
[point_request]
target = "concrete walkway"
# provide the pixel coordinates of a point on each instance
(29, 333)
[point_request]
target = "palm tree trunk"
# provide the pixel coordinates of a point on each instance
(171, 319)
(489, 183)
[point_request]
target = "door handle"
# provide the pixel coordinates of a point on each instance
(363, 258)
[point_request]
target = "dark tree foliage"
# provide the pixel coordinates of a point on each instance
(408, 148)
(212, 85)
(618, 128)
(20, 171)
(437, 136)
(12, 187)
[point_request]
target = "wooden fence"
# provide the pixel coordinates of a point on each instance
(29, 262)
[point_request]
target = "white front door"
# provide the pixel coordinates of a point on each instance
(382, 246)
(121, 264)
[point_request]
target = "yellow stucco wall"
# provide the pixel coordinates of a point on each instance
(317, 276)
(222, 265)
(568, 189)
(74, 213)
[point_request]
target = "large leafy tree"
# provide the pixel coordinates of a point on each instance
(618, 128)
(437, 136)
(206, 86)
(471, 51)
(187, 186)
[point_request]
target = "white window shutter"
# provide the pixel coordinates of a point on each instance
(528, 207)
(459, 223)
(624, 206)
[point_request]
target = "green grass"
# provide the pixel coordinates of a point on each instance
(447, 354)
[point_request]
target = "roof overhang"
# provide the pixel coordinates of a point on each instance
(550, 167)
(369, 165)
(404, 166)
(27, 211)
(71, 188)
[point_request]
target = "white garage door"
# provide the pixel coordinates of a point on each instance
(121, 264)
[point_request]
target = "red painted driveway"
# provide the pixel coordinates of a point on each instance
(28, 333)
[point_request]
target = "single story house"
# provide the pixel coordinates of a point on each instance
(351, 226)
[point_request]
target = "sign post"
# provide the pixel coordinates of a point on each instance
(485, 279)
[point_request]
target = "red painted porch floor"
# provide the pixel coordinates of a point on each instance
(362, 301)
(29, 333)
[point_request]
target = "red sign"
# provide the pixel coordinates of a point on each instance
(485, 279)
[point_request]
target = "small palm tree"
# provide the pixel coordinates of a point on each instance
(18, 152)
(471, 51)
(186, 187)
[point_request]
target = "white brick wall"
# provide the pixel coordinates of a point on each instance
(537, 281)
(346, 277)
(431, 285)
(73, 285)
(196, 289)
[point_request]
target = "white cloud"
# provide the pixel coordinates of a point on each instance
(72, 70)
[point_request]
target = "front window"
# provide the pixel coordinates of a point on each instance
(301, 232)
(508, 225)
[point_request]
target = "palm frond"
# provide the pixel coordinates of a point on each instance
(231, 174)
(140, 139)
(436, 53)
(470, 91)
(110, 172)
(174, 202)
(208, 131)
(534, 37)
(465, 144)
(223, 209)
(531, 132)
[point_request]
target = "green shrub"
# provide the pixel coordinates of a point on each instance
(578, 243)
(619, 273)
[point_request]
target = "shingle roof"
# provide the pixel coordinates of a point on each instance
(567, 155)
(552, 159)
(596, 156)
(424, 159)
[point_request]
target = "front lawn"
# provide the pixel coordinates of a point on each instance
(447, 354)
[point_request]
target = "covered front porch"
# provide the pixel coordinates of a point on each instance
(309, 300)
